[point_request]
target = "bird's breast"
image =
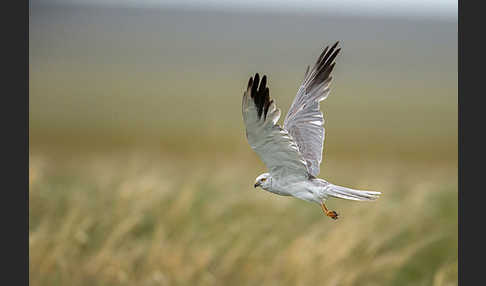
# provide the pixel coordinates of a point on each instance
(289, 189)
(279, 191)
(303, 190)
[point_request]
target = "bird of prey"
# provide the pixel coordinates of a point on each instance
(293, 153)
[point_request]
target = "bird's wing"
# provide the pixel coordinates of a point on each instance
(304, 121)
(272, 143)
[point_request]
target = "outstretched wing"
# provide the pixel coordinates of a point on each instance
(272, 143)
(305, 121)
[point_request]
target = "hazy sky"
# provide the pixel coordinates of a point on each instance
(408, 8)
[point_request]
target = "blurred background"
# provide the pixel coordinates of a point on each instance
(140, 172)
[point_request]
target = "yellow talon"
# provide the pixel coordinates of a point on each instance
(332, 214)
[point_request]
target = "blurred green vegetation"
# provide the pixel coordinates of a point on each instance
(140, 173)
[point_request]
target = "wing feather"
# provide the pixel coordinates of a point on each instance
(305, 121)
(273, 144)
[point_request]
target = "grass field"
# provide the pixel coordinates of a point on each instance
(132, 218)
(140, 173)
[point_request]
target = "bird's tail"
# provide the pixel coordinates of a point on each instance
(350, 194)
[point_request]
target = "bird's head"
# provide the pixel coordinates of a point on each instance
(263, 181)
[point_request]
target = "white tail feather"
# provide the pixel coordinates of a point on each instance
(350, 194)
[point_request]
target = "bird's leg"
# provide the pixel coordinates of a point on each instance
(331, 214)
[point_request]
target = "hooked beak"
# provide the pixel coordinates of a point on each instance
(256, 185)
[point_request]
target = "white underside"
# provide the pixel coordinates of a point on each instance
(318, 190)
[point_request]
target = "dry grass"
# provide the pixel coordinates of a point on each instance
(138, 219)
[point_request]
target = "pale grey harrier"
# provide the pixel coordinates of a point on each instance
(293, 153)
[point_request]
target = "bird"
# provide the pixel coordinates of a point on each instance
(293, 153)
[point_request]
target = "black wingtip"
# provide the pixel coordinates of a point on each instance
(323, 67)
(335, 45)
(260, 94)
(263, 83)
(250, 82)
(254, 87)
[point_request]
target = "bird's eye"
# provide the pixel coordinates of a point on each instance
(264, 179)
